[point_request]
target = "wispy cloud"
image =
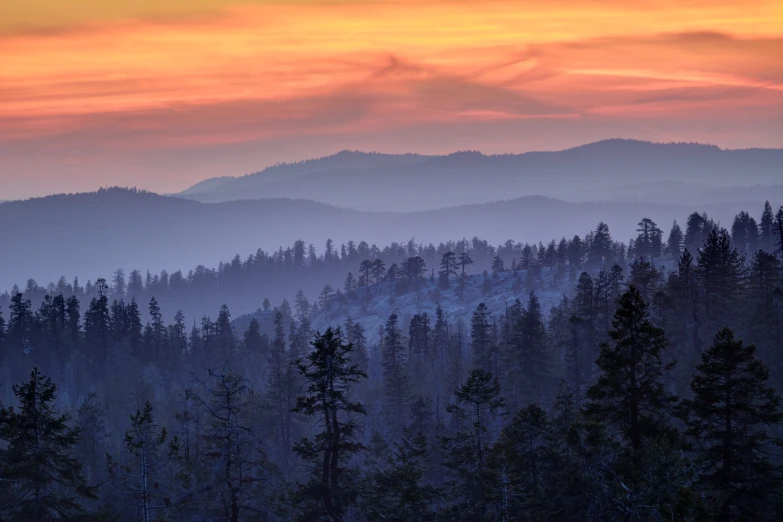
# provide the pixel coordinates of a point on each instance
(145, 76)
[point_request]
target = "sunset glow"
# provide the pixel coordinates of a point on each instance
(112, 83)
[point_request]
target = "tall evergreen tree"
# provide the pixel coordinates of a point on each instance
(765, 307)
(91, 420)
(464, 262)
(134, 328)
(697, 229)
(97, 326)
(767, 229)
(532, 367)
(779, 230)
(399, 493)
(283, 387)
(525, 460)
(629, 397)
(245, 481)
(253, 340)
(225, 339)
(722, 277)
(448, 267)
(479, 403)
(674, 244)
(481, 340)
(745, 233)
(629, 393)
(396, 375)
(21, 324)
(329, 378)
(40, 480)
(143, 475)
(729, 422)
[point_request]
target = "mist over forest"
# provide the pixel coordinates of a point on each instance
(381, 199)
(590, 334)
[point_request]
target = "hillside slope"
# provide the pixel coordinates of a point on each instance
(91, 235)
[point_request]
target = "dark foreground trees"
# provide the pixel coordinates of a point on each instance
(617, 452)
(332, 486)
(728, 423)
(142, 475)
(39, 477)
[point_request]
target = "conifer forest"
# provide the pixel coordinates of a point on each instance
(580, 379)
(391, 261)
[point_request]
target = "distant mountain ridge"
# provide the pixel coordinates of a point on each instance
(410, 182)
(92, 234)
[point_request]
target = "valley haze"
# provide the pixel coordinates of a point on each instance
(380, 198)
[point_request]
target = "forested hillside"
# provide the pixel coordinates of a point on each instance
(196, 256)
(581, 379)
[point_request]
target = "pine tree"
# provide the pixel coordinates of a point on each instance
(378, 269)
(40, 480)
(21, 323)
(524, 460)
(765, 307)
(685, 322)
(134, 328)
(601, 247)
(91, 420)
(532, 362)
(207, 341)
(329, 378)
(745, 233)
(497, 266)
(478, 402)
(253, 340)
(326, 297)
(767, 229)
(448, 267)
(486, 286)
(645, 474)
(97, 326)
(399, 493)
(144, 474)
(629, 393)
(224, 338)
(464, 261)
(73, 330)
(244, 482)
(585, 322)
(396, 377)
(440, 336)
(480, 339)
(2, 333)
(722, 276)
(365, 269)
(674, 244)
(729, 421)
(779, 230)
(350, 283)
(526, 259)
(283, 386)
(697, 229)
(649, 241)
(178, 339)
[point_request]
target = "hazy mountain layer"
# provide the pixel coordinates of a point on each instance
(613, 170)
(90, 235)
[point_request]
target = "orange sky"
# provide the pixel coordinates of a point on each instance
(162, 94)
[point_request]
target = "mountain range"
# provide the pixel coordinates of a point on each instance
(612, 170)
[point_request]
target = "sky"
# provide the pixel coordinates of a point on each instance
(160, 94)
